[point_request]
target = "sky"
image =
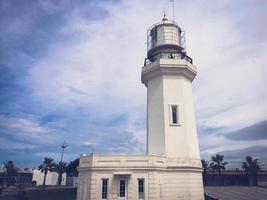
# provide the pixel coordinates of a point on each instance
(70, 71)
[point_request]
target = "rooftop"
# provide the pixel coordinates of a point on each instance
(236, 192)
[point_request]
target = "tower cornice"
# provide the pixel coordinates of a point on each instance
(174, 67)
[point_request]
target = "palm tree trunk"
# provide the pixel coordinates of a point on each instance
(44, 178)
(59, 179)
(204, 178)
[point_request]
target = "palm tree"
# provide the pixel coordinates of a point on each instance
(206, 167)
(47, 166)
(72, 168)
(217, 163)
(252, 166)
(10, 172)
(60, 168)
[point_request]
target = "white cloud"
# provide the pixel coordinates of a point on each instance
(27, 129)
(101, 68)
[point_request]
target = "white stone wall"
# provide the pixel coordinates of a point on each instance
(169, 82)
(155, 116)
(158, 186)
(181, 139)
(165, 178)
(51, 178)
(183, 185)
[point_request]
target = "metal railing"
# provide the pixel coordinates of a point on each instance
(169, 55)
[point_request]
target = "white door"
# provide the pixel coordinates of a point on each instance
(122, 189)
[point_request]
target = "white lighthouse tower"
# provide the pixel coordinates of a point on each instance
(171, 169)
(171, 127)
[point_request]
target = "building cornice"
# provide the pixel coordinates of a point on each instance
(141, 169)
(171, 67)
(138, 162)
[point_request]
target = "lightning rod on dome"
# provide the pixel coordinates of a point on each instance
(173, 11)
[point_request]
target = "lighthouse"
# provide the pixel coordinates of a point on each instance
(171, 169)
(168, 74)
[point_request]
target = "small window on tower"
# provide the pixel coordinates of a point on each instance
(174, 115)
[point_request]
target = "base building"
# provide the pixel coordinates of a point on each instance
(171, 169)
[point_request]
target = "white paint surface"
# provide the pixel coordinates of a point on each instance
(169, 83)
(51, 178)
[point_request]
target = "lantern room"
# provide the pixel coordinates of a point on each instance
(165, 40)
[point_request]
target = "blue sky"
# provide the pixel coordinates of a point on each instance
(70, 70)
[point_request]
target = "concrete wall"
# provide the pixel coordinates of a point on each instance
(183, 185)
(158, 186)
(51, 178)
(165, 178)
(155, 117)
(169, 82)
(181, 139)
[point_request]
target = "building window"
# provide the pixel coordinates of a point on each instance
(104, 188)
(174, 115)
(122, 188)
(154, 37)
(141, 188)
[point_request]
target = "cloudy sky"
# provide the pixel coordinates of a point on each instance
(70, 70)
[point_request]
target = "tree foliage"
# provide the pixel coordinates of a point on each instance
(47, 166)
(205, 165)
(60, 168)
(10, 171)
(72, 168)
(252, 166)
(218, 164)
